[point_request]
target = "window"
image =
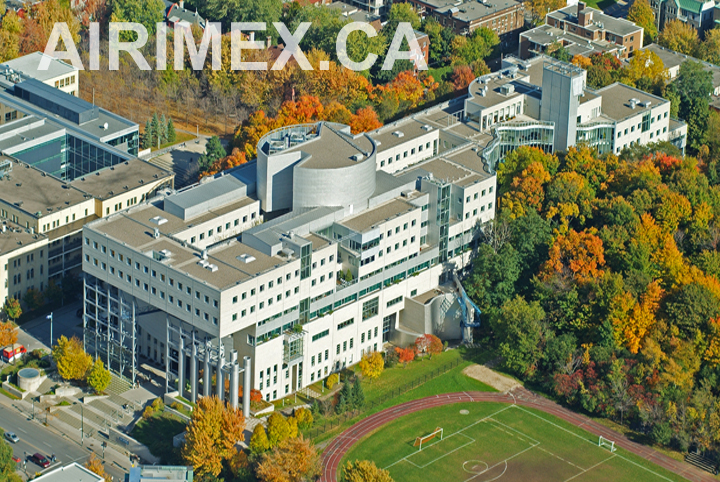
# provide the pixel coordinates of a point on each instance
(337, 350)
(370, 309)
(322, 334)
(346, 323)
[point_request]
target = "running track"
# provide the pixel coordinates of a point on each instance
(339, 446)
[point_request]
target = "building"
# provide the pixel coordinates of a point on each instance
(582, 30)
(698, 14)
(176, 15)
(42, 217)
(355, 14)
(73, 472)
(154, 473)
(504, 17)
(59, 74)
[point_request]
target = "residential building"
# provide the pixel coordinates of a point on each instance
(72, 472)
(696, 13)
(154, 473)
(582, 30)
(355, 13)
(176, 15)
(59, 74)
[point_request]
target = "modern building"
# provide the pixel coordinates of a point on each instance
(59, 74)
(504, 17)
(582, 30)
(42, 217)
(155, 473)
(355, 13)
(176, 15)
(696, 13)
(73, 472)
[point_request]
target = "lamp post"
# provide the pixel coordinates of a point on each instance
(50, 317)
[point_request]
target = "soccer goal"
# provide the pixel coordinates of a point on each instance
(426, 438)
(603, 442)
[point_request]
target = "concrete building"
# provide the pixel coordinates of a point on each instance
(176, 15)
(42, 217)
(59, 74)
(582, 30)
(154, 473)
(354, 12)
(73, 472)
(696, 13)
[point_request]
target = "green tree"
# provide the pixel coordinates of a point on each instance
(171, 134)
(693, 87)
(99, 378)
(478, 46)
(440, 40)
(146, 12)
(155, 130)
(259, 442)
(162, 133)
(53, 292)
(33, 299)
(691, 308)
(12, 308)
(147, 136)
(642, 14)
(400, 12)
(278, 429)
(70, 357)
(519, 331)
(7, 464)
(494, 274)
(227, 11)
(358, 394)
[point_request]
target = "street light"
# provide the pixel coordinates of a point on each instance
(50, 317)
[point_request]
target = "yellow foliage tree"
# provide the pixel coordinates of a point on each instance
(71, 360)
(372, 365)
(95, 465)
(294, 460)
(712, 352)
(365, 471)
(631, 329)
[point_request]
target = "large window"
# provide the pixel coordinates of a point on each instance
(370, 309)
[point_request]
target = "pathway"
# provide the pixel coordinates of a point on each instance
(340, 445)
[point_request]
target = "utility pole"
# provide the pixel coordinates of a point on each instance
(33, 413)
(50, 317)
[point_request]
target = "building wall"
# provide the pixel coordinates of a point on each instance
(23, 268)
(629, 131)
(506, 23)
(414, 150)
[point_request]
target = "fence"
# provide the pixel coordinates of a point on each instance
(370, 405)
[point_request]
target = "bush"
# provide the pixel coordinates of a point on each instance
(158, 405)
(176, 406)
(391, 358)
(332, 380)
(148, 412)
(304, 418)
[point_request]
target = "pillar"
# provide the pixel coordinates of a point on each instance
(181, 365)
(219, 385)
(193, 373)
(206, 372)
(247, 377)
(234, 379)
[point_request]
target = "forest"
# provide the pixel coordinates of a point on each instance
(598, 282)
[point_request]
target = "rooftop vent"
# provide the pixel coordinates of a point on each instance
(212, 267)
(647, 103)
(398, 134)
(287, 252)
(203, 263)
(165, 253)
(204, 254)
(406, 193)
(634, 103)
(358, 157)
(246, 258)
(159, 220)
(427, 128)
(507, 89)
(156, 233)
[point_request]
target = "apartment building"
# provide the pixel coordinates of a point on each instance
(698, 14)
(582, 30)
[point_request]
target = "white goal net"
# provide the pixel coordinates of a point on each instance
(609, 444)
(420, 441)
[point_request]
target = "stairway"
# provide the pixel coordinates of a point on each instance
(701, 462)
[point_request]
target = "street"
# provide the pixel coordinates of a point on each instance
(34, 437)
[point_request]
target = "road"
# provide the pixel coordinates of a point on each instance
(34, 437)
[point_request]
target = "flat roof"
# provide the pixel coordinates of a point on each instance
(616, 101)
(29, 65)
(472, 11)
(16, 237)
(423, 298)
(126, 176)
(73, 472)
(400, 132)
(576, 45)
(618, 26)
(493, 94)
(377, 215)
(333, 149)
(166, 473)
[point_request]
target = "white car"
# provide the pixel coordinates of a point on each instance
(11, 437)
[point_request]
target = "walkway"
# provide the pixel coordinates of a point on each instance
(339, 446)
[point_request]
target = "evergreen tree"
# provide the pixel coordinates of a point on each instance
(147, 136)
(358, 394)
(171, 134)
(342, 405)
(162, 132)
(347, 394)
(154, 129)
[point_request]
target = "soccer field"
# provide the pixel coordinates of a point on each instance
(484, 442)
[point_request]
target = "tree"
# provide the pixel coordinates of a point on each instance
(53, 292)
(693, 87)
(519, 333)
(332, 380)
(146, 12)
(12, 308)
(155, 130)
(365, 471)
(214, 149)
(358, 394)
(372, 365)
(99, 378)
(400, 12)
(691, 307)
(259, 442)
(8, 333)
(478, 46)
(462, 76)
(96, 466)
(294, 460)
(278, 429)
(405, 355)
(304, 418)
(70, 357)
(162, 133)
(642, 14)
(540, 8)
(33, 299)
(578, 254)
(213, 431)
(646, 71)
(680, 37)
(227, 11)
(7, 464)
(171, 134)
(710, 48)
(364, 120)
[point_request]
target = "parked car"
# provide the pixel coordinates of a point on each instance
(11, 437)
(40, 460)
(16, 459)
(12, 353)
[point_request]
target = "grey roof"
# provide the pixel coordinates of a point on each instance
(617, 26)
(73, 472)
(166, 473)
(56, 101)
(177, 14)
(119, 178)
(27, 132)
(576, 45)
(473, 10)
(197, 201)
(16, 237)
(371, 218)
(28, 65)
(672, 59)
(616, 101)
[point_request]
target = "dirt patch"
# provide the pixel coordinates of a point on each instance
(484, 374)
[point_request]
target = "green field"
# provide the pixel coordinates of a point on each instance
(501, 442)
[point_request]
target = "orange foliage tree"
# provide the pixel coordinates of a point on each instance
(405, 355)
(581, 254)
(632, 326)
(235, 159)
(364, 120)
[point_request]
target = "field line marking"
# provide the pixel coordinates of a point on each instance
(502, 461)
(515, 430)
(589, 469)
(592, 443)
(560, 458)
(454, 433)
(471, 441)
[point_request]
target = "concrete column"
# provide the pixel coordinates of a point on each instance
(193, 374)
(234, 379)
(219, 385)
(181, 366)
(247, 377)
(206, 373)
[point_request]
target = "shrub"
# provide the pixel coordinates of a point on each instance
(148, 412)
(158, 404)
(304, 418)
(332, 380)
(255, 396)
(391, 358)
(176, 406)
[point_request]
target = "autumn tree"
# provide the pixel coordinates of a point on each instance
(8, 467)
(12, 308)
(33, 299)
(235, 159)
(8, 333)
(96, 466)
(710, 48)
(99, 377)
(293, 460)
(278, 429)
(680, 37)
(462, 76)
(540, 8)
(577, 254)
(405, 355)
(213, 431)
(372, 365)
(633, 320)
(365, 471)
(259, 442)
(70, 357)
(364, 120)
(477, 46)
(642, 14)
(646, 71)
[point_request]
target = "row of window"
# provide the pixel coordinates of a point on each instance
(219, 229)
(405, 154)
(475, 197)
(475, 211)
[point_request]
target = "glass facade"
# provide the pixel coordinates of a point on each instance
(50, 156)
(600, 135)
(443, 219)
(128, 142)
(511, 135)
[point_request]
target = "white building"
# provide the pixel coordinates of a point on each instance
(59, 74)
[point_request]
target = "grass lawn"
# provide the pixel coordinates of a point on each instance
(498, 441)
(8, 394)
(441, 73)
(600, 4)
(157, 433)
(179, 137)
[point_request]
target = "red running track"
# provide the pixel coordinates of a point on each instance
(339, 446)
